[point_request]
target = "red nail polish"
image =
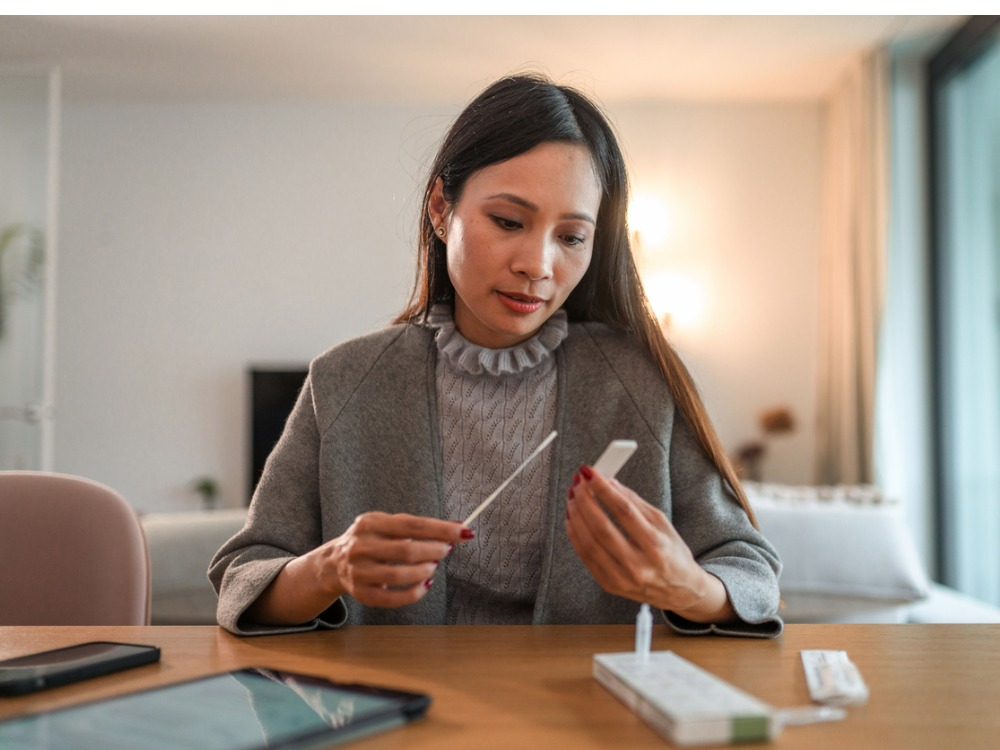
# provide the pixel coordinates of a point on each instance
(587, 473)
(428, 583)
(571, 494)
(468, 534)
(576, 479)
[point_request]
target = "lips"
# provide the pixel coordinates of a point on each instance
(521, 303)
(527, 298)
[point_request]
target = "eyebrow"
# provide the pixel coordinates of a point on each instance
(518, 200)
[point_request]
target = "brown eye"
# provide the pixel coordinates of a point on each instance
(504, 223)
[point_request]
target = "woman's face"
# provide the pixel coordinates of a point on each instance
(519, 240)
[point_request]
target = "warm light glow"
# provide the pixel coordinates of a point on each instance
(649, 219)
(677, 299)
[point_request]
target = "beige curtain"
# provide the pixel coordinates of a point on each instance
(852, 264)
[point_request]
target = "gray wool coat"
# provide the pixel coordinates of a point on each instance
(364, 435)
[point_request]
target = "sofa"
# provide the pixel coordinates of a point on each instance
(181, 545)
(848, 557)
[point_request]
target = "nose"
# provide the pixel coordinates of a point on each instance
(534, 258)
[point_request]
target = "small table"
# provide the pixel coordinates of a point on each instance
(526, 687)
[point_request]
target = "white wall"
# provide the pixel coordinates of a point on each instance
(742, 183)
(197, 239)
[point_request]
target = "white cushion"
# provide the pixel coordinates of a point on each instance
(848, 555)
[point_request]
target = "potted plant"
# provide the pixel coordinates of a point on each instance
(208, 488)
(777, 420)
(21, 264)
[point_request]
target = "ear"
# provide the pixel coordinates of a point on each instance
(437, 206)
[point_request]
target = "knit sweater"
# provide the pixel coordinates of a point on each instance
(495, 406)
(365, 435)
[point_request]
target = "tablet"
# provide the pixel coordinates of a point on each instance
(248, 709)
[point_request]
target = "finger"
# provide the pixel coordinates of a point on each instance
(598, 543)
(380, 585)
(406, 526)
(398, 551)
(633, 577)
(592, 512)
(386, 597)
(641, 522)
(602, 566)
(396, 576)
(624, 507)
(654, 515)
(649, 511)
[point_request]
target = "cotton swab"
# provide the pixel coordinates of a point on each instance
(496, 493)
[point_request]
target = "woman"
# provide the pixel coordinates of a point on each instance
(528, 316)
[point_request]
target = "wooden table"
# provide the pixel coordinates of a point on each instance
(932, 686)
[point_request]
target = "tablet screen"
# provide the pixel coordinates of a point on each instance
(247, 709)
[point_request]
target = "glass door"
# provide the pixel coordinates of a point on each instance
(965, 96)
(28, 105)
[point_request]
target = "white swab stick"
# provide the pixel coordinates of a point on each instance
(496, 493)
(643, 632)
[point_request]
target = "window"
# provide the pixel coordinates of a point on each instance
(964, 140)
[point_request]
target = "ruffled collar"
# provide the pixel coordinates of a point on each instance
(475, 359)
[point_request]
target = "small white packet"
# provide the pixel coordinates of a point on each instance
(833, 678)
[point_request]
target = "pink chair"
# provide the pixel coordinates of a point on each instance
(72, 552)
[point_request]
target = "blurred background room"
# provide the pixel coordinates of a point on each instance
(816, 202)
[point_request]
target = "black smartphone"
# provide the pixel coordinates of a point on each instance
(26, 674)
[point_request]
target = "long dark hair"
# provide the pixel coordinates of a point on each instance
(509, 118)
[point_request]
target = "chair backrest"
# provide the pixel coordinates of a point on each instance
(72, 552)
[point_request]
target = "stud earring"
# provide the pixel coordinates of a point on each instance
(441, 231)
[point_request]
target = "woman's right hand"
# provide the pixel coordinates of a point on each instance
(385, 560)
(381, 560)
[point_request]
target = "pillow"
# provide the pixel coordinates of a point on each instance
(848, 555)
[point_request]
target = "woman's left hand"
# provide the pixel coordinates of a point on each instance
(633, 551)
